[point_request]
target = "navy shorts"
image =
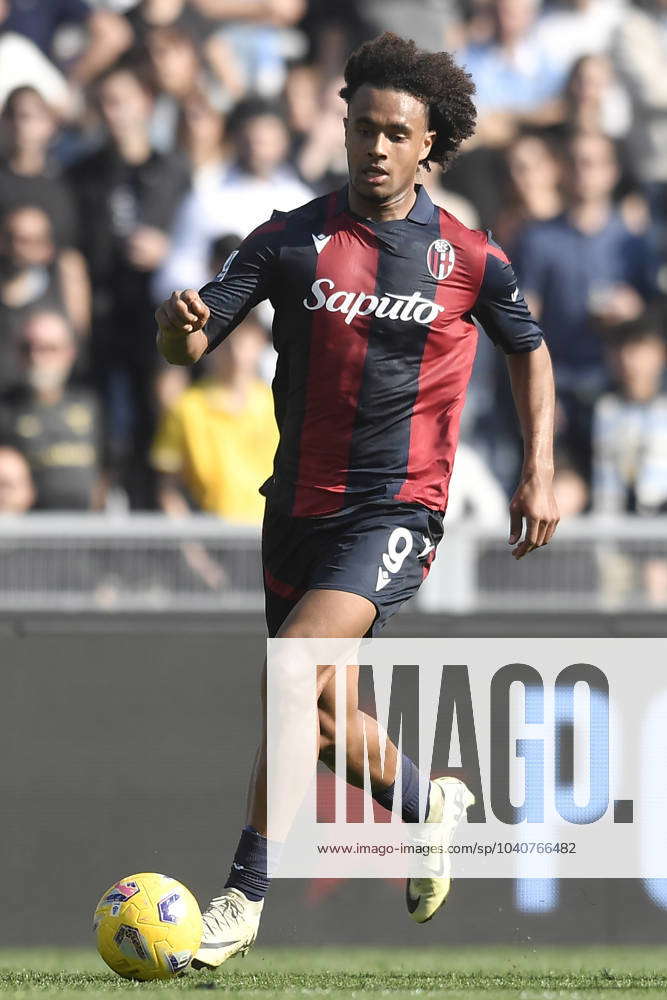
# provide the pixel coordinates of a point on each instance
(381, 551)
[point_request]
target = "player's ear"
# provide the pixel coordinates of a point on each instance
(427, 144)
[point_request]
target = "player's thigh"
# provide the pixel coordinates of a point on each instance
(328, 614)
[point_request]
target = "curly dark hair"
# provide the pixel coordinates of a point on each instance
(393, 63)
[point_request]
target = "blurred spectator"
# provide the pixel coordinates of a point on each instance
(184, 17)
(434, 181)
(337, 28)
(585, 265)
(433, 24)
(474, 492)
(259, 181)
(201, 136)
(302, 98)
(176, 71)
(218, 441)
(22, 64)
(179, 75)
(126, 194)
(107, 34)
(56, 426)
(17, 491)
(333, 31)
(570, 488)
(536, 181)
(513, 74)
(578, 272)
(176, 33)
(258, 36)
(34, 274)
(594, 99)
(640, 51)
(517, 87)
(279, 13)
(630, 423)
(28, 176)
(322, 159)
(578, 28)
(479, 174)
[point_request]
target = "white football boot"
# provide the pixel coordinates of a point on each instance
(448, 800)
(231, 922)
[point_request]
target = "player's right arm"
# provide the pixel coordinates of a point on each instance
(181, 320)
(192, 323)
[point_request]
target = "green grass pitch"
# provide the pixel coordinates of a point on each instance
(520, 973)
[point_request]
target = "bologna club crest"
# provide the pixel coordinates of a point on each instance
(440, 259)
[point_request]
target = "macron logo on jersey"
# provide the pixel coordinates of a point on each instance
(320, 241)
(405, 308)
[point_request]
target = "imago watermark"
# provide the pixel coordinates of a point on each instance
(562, 743)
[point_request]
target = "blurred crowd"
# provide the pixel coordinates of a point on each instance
(140, 140)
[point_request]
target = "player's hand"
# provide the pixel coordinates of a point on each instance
(182, 313)
(534, 502)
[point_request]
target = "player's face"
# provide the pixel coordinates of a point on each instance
(386, 136)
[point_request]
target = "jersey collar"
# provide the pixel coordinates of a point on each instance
(421, 212)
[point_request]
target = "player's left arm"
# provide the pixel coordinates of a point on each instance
(504, 315)
(532, 381)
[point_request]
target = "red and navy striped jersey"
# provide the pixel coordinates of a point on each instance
(375, 338)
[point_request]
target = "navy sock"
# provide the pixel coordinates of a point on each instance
(411, 780)
(248, 871)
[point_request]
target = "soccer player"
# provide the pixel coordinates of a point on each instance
(374, 290)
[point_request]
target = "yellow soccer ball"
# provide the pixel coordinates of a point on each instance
(147, 926)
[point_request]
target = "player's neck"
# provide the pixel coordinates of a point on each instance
(397, 208)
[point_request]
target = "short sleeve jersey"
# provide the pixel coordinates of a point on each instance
(376, 341)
